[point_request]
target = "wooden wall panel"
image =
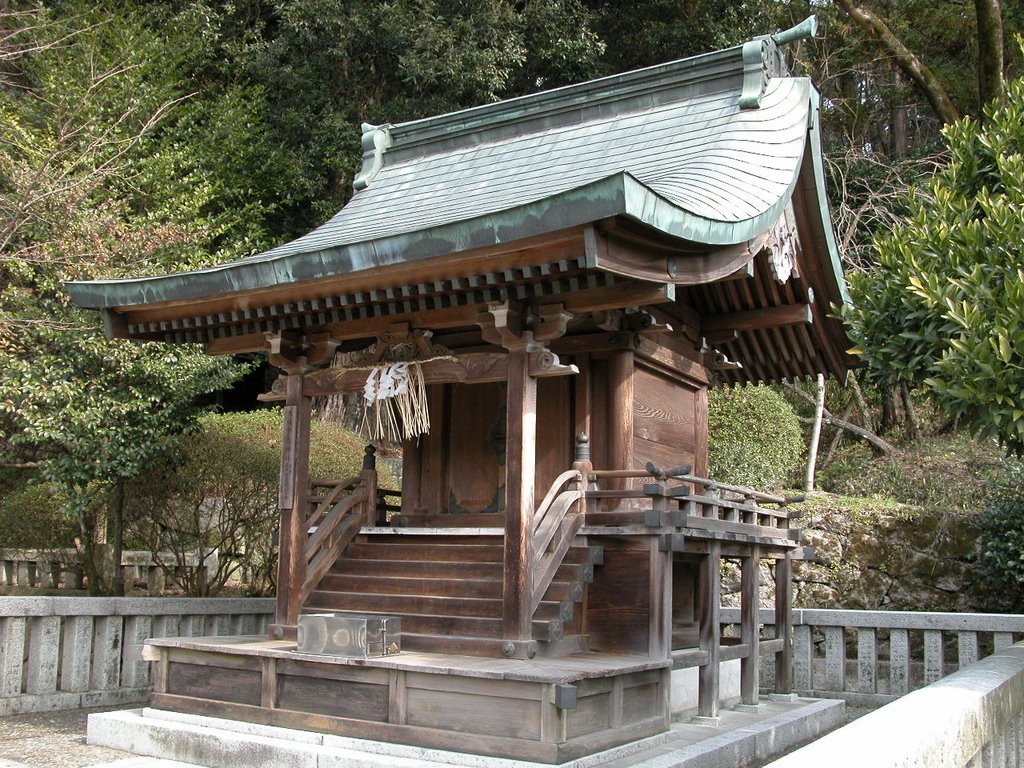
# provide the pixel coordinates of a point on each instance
(490, 715)
(362, 701)
(474, 473)
(618, 610)
(424, 460)
(554, 432)
(664, 420)
(240, 686)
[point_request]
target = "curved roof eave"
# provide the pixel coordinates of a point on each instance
(615, 195)
(821, 195)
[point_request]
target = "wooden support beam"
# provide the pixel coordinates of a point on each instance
(520, 460)
(709, 622)
(753, 319)
(620, 414)
(471, 368)
(750, 634)
(292, 502)
(627, 252)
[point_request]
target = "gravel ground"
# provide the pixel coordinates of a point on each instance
(52, 740)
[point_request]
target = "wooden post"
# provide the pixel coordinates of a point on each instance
(520, 459)
(292, 501)
(620, 414)
(710, 598)
(784, 625)
(369, 478)
(750, 588)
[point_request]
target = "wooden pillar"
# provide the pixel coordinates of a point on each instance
(520, 459)
(292, 502)
(710, 630)
(784, 624)
(620, 413)
(750, 588)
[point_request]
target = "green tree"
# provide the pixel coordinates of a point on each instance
(944, 306)
(86, 98)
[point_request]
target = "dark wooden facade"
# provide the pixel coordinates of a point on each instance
(555, 549)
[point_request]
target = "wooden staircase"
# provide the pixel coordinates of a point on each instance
(448, 591)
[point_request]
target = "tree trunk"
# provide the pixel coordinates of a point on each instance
(837, 438)
(915, 69)
(862, 405)
(880, 445)
(990, 51)
(913, 424)
(115, 540)
(812, 453)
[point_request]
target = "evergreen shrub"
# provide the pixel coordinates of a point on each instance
(754, 437)
(219, 491)
(1000, 564)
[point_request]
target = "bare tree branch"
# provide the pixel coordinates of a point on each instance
(878, 443)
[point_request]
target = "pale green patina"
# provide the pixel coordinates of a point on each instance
(707, 150)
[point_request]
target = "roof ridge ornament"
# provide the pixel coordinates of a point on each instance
(376, 140)
(762, 60)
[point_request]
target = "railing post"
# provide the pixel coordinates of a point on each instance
(784, 625)
(899, 661)
(867, 659)
(750, 665)
(803, 659)
(710, 629)
(835, 659)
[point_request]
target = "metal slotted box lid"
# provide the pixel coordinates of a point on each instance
(349, 634)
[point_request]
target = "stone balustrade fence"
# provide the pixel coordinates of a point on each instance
(974, 717)
(870, 658)
(71, 652)
(62, 568)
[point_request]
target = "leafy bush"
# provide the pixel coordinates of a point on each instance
(754, 436)
(32, 517)
(219, 491)
(1000, 565)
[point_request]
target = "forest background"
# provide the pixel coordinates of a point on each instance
(146, 137)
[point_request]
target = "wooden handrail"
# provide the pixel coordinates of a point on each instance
(337, 520)
(554, 529)
(740, 490)
(329, 501)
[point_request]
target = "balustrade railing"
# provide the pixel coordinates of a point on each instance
(63, 569)
(71, 652)
(873, 657)
(973, 717)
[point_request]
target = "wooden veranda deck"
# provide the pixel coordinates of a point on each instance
(545, 710)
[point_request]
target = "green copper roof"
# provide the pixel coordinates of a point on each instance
(669, 146)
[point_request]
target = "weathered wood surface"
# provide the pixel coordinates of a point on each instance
(494, 707)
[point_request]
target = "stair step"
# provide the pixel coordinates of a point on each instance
(411, 585)
(421, 550)
(408, 585)
(448, 569)
(473, 626)
(453, 644)
(401, 605)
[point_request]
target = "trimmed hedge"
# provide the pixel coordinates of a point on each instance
(754, 437)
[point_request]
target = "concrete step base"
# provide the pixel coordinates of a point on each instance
(741, 739)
